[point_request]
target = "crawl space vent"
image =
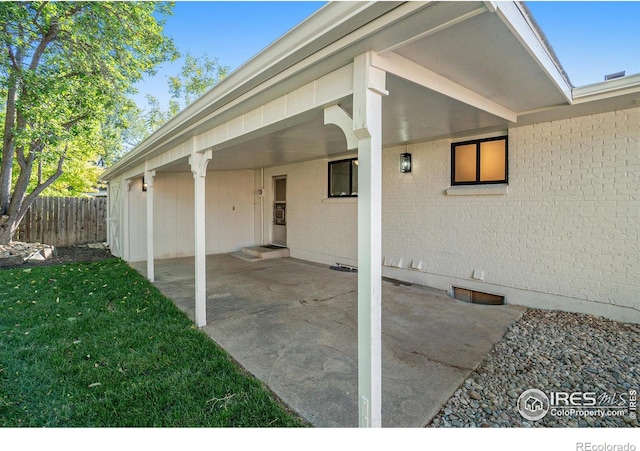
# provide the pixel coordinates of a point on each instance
(477, 297)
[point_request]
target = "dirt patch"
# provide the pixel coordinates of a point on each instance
(76, 254)
(62, 255)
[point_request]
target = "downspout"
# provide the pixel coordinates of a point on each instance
(261, 206)
(108, 218)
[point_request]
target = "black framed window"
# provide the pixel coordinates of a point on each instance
(481, 161)
(343, 178)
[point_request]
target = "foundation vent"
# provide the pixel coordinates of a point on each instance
(477, 297)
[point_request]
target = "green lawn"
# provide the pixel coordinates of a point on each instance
(96, 345)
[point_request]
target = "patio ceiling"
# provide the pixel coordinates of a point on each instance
(410, 113)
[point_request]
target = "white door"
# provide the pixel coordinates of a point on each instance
(113, 219)
(279, 224)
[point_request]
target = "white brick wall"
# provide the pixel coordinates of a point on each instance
(565, 234)
(318, 229)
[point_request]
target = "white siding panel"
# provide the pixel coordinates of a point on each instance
(235, 127)
(253, 119)
(209, 139)
(220, 133)
(137, 221)
(230, 214)
(335, 85)
(230, 210)
(185, 240)
(173, 214)
(302, 99)
(274, 111)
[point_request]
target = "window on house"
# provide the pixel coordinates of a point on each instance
(343, 178)
(481, 161)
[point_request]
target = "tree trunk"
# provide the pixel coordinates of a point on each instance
(8, 227)
(10, 221)
(8, 150)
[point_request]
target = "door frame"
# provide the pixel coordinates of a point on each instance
(279, 213)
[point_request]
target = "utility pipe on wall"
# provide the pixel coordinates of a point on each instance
(262, 206)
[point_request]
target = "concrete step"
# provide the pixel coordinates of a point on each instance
(266, 252)
(245, 257)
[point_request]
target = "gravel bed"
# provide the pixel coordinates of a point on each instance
(553, 352)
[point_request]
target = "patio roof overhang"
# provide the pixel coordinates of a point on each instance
(452, 68)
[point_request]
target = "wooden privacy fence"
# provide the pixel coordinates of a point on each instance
(64, 221)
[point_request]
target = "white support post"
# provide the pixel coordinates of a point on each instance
(369, 87)
(109, 219)
(148, 178)
(198, 162)
(124, 252)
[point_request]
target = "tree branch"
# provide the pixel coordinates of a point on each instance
(67, 125)
(12, 57)
(31, 197)
(21, 124)
(77, 8)
(39, 10)
(34, 148)
(46, 40)
(22, 162)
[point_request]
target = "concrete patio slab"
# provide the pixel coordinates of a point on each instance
(293, 325)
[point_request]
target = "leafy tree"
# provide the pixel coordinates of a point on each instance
(121, 131)
(197, 75)
(133, 124)
(65, 71)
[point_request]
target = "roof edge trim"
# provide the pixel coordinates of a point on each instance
(523, 27)
(604, 89)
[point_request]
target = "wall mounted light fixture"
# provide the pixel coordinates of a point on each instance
(405, 162)
(144, 184)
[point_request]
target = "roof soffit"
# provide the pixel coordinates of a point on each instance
(482, 55)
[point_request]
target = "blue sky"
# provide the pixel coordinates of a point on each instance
(232, 31)
(591, 39)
